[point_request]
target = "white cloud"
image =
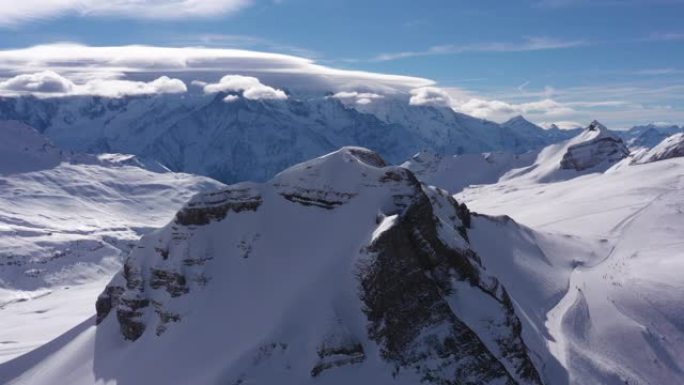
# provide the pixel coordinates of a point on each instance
(26, 10)
(499, 110)
(82, 63)
(71, 69)
(250, 87)
(49, 83)
(231, 98)
(355, 97)
(117, 88)
(666, 36)
(430, 96)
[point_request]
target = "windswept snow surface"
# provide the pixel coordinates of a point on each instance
(65, 221)
(621, 318)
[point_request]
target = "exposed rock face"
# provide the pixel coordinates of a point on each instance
(670, 147)
(215, 206)
(413, 290)
(406, 291)
(599, 146)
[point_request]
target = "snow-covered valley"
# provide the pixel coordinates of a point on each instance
(66, 220)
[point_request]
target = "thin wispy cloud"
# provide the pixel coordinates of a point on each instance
(621, 104)
(28, 10)
(666, 36)
(604, 3)
(658, 72)
(217, 40)
(529, 44)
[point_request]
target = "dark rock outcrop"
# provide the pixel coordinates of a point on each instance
(405, 290)
(208, 207)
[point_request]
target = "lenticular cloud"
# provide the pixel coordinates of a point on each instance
(81, 64)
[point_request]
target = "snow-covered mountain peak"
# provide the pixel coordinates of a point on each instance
(424, 162)
(595, 125)
(594, 150)
(594, 147)
(320, 249)
(517, 120)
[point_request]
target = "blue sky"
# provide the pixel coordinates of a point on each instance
(619, 61)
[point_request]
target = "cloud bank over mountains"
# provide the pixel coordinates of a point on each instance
(66, 69)
(81, 64)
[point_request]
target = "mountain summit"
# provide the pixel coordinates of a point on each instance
(595, 149)
(338, 270)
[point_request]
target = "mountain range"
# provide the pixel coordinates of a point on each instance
(254, 139)
(554, 262)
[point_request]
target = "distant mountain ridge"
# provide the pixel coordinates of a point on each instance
(647, 136)
(254, 139)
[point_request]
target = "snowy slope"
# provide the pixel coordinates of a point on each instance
(24, 149)
(254, 139)
(65, 221)
(670, 147)
(594, 150)
(453, 173)
(339, 270)
(620, 320)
